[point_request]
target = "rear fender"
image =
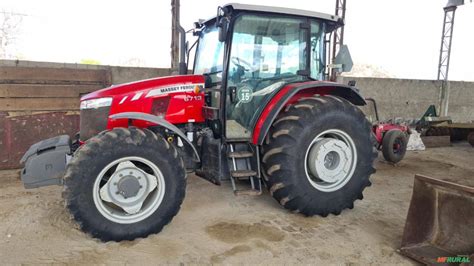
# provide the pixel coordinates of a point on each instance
(158, 121)
(291, 93)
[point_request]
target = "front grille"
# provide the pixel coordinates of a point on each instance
(93, 121)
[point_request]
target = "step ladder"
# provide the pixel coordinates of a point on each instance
(241, 169)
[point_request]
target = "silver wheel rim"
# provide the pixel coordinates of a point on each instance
(330, 160)
(128, 190)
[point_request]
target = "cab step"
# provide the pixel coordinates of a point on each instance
(240, 154)
(248, 192)
(242, 158)
(242, 173)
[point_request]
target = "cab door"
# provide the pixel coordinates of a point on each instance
(266, 53)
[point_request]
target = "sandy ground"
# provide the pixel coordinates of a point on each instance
(214, 226)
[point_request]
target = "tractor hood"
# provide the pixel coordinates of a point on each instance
(142, 85)
(177, 99)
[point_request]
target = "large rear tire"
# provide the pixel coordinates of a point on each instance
(124, 184)
(318, 155)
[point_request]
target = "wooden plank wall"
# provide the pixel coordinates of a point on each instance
(40, 102)
(47, 89)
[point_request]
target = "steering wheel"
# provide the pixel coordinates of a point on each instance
(241, 63)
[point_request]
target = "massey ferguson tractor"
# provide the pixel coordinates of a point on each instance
(258, 111)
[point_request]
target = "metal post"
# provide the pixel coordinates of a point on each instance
(338, 35)
(446, 40)
(444, 56)
(175, 34)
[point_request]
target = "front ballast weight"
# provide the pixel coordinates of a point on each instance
(45, 162)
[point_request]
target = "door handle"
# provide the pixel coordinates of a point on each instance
(233, 94)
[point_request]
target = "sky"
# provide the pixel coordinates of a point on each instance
(402, 37)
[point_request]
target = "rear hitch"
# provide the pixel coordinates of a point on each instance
(45, 162)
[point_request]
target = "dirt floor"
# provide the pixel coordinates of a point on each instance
(214, 226)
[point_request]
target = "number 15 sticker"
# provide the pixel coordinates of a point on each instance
(244, 94)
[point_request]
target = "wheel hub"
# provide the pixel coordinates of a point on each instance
(128, 186)
(330, 160)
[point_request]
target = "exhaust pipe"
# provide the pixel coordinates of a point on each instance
(182, 67)
(177, 29)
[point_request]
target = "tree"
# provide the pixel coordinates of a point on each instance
(10, 24)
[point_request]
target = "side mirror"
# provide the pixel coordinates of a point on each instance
(343, 61)
(223, 25)
(198, 24)
(197, 27)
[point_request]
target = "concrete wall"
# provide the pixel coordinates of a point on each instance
(409, 99)
(118, 74)
(461, 101)
(128, 74)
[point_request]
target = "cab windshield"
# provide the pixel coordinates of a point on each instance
(268, 52)
(210, 53)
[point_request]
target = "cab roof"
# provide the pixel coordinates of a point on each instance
(284, 10)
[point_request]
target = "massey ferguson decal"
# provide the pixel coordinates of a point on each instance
(173, 89)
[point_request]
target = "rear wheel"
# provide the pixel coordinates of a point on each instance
(318, 156)
(124, 184)
(394, 146)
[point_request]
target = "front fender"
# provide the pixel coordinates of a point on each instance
(293, 92)
(156, 120)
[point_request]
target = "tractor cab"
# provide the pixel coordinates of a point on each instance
(248, 53)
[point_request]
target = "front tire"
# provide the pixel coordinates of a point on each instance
(318, 156)
(124, 184)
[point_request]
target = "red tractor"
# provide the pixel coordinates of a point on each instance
(256, 109)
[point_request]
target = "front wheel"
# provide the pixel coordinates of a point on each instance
(318, 156)
(124, 184)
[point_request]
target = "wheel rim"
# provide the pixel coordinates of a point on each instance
(128, 190)
(330, 160)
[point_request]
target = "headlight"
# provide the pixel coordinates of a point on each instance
(96, 103)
